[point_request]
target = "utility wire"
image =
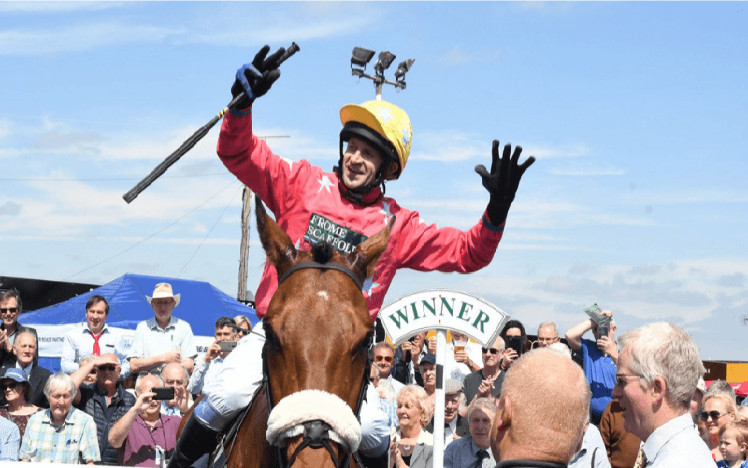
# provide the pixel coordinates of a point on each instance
(104, 179)
(208, 234)
(152, 235)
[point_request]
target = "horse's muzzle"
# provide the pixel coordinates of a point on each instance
(317, 432)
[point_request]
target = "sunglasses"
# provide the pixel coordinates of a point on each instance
(107, 367)
(491, 350)
(715, 415)
(243, 331)
(12, 310)
(621, 382)
(10, 385)
(383, 358)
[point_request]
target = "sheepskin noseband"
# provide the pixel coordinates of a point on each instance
(287, 417)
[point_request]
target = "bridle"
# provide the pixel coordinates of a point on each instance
(316, 432)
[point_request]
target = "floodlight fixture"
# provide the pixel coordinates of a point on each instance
(384, 62)
(361, 57)
(403, 68)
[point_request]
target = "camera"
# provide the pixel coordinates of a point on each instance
(227, 346)
(163, 393)
(514, 342)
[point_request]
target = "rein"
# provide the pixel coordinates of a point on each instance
(316, 432)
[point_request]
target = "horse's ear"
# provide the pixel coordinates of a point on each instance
(278, 246)
(363, 260)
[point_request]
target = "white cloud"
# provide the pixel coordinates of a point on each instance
(449, 146)
(689, 196)
(46, 41)
(57, 7)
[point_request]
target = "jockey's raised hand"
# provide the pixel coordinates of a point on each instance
(256, 78)
(503, 180)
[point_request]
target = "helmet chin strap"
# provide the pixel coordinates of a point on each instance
(358, 196)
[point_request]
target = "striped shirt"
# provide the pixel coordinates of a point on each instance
(10, 439)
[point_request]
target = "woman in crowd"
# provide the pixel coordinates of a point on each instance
(412, 445)
(243, 326)
(515, 340)
(717, 411)
(15, 386)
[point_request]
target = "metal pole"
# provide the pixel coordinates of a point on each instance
(441, 351)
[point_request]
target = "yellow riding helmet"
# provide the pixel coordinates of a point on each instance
(392, 133)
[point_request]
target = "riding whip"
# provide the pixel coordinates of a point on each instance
(197, 136)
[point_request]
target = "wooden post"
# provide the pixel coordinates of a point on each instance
(244, 248)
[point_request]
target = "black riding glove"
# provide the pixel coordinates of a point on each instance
(256, 78)
(503, 180)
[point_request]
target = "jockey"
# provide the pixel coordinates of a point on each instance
(342, 207)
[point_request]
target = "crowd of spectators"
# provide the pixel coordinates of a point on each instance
(116, 405)
(111, 404)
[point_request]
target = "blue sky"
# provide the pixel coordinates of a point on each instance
(636, 112)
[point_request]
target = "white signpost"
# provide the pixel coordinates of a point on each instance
(442, 310)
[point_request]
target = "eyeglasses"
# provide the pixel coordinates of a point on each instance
(491, 350)
(715, 415)
(12, 310)
(243, 331)
(621, 382)
(383, 358)
(547, 340)
(9, 385)
(107, 367)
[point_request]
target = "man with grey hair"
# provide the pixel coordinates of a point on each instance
(542, 427)
(547, 334)
(25, 356)
(143, 431)
(106, 400)
(474, 451)
(175, 375)
(74, 429)
(658, 370)
(486, 382)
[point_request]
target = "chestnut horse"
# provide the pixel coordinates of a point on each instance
(318, 334)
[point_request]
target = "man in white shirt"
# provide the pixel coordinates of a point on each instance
(658, 370)
(93, 338)
(209, 365)
(384, 360)
(164, 338)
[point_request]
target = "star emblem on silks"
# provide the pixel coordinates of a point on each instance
(289, 162)
(385, 115)
(386, 212)
(324, 183)
(369, 285)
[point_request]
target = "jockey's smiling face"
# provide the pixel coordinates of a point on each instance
(361, 161)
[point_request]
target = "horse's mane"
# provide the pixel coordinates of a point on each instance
(322, 252)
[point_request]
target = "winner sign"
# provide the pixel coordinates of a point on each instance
(442, 309)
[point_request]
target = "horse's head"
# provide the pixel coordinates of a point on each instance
(318, 334)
